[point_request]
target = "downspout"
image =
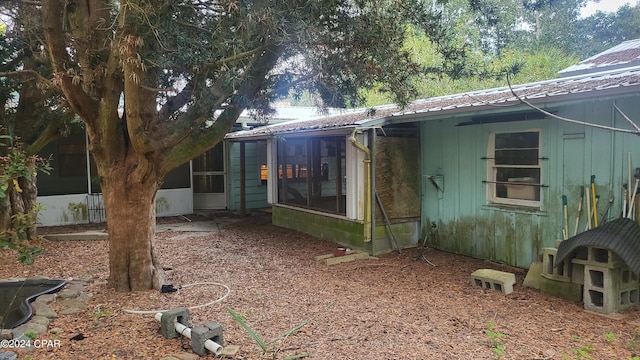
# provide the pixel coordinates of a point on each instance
(367, 182)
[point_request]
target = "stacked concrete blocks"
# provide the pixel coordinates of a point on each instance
(609, 285)
(494, 279)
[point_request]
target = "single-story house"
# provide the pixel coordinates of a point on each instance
(481, 173)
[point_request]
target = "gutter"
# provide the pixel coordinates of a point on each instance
(367, 185)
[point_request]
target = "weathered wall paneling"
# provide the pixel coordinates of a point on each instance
(467, 224)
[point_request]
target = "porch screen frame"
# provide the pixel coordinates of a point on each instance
(274, 148)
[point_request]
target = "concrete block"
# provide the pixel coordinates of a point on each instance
(566, 290)
(608, 290)
(199, 334)
(560, 273)
(167, 322)
(494, 279)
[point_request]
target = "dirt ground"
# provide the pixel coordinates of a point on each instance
(393, 307)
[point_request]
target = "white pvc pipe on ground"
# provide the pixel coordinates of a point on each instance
(210, 345)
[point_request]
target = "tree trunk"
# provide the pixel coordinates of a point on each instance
(17, 213)
(131, 211)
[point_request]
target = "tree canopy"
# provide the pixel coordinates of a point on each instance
(159, 82)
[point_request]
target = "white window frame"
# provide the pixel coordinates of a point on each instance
(492, 170)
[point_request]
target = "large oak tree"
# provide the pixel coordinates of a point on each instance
(159, 82)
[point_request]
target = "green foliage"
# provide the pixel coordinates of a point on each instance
(634, 341)
(580, 353)
(31, 335)
(18, 166)
(98, 315)
(270, 346)
(611, 337)
(494, 336)
(602, 30)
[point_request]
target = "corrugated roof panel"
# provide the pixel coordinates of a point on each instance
(622, 236)
(503, 96)
(624, 54)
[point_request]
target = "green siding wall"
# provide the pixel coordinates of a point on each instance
(467, 224)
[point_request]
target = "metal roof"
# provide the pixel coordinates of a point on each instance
(574, 88)
(625, 54)
(622, 236)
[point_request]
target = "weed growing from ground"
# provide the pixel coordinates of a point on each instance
(494, 336)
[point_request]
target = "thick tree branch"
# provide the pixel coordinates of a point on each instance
(25, 73)
(50, 133)
(196, 145)
(80, 102)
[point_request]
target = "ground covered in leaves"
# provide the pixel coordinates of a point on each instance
(393, 307)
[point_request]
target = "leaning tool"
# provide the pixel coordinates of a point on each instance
(565, 230)
(593, 195)
(630, 213)
(588, 209)
(575, 229)
(605, 215)
(592, 212)
(624, 200)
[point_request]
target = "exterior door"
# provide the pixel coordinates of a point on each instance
(209, 179)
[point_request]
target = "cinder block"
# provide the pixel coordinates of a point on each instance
(608, 290)
(169, 318)
(494, 279)
(560, 273)
(199, 334)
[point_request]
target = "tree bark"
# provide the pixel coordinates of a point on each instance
(130, 207)
(19, 202)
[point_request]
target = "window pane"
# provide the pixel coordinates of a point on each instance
(511, 183)
(516, 164)
(311, 172)
(517, 157)
(517, 140)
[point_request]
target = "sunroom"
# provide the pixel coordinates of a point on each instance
(342, 178)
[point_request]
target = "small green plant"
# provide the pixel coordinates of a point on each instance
(98, 314)
(269, 347)
(31, 335)
(632, 343)
(494, 337)
(581, 353)
(611, 337)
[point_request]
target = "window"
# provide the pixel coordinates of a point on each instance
(514, 168)
(311, 173)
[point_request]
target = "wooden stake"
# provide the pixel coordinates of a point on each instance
(575, 229)
(594, 196)
(586, 196)
(565, 230)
